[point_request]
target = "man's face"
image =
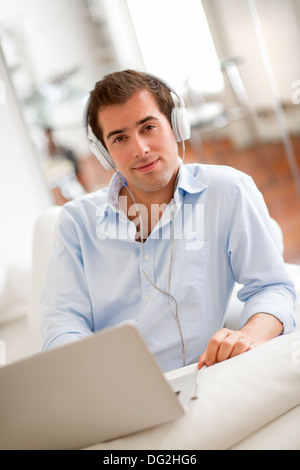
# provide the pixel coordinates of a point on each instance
(141, 143)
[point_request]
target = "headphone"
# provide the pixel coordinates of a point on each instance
(179, 122)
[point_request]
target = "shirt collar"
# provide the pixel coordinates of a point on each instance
(111, 199)
(113, 192)
(187, 182)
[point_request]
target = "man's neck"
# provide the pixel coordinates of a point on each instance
(146, 205)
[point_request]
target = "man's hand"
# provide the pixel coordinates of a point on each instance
(225, 344)
(229, 343)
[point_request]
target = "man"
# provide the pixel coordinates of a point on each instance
(131, 252)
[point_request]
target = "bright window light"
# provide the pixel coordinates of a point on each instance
(176, 44)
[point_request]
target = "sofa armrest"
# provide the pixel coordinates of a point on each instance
(43, 238)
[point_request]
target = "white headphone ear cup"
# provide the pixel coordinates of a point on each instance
(180, 124)
(102, 155)
(98, 149)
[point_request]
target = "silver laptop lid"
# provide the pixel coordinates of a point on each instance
(96, 389)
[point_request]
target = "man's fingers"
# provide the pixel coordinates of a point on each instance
(234, 344)
(208, 358)
(202, 360)
(213, 349)
(224, 345)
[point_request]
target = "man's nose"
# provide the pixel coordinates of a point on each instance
(140, 147)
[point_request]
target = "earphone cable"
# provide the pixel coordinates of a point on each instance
(171, 297)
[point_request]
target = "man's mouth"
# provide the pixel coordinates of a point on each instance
(146, 167)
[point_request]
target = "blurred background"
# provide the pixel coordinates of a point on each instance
(236, 63)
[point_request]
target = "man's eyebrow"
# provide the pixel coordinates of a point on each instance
(148, 118)
(117, 131)
(138, 123)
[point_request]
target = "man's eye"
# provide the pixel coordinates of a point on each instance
(118, 139)
(149, 127)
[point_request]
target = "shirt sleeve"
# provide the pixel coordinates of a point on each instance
(66, 312)
(256, 258)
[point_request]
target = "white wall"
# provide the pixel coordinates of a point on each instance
(23, 193)
(58, 35)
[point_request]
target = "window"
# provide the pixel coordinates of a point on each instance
(176, 44)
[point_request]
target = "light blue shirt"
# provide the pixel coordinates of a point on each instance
(98, 275)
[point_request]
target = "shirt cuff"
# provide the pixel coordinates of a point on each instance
(278, 304)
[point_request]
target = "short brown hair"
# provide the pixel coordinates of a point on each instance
(119, 87)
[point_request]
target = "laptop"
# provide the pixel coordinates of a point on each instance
(99, 388)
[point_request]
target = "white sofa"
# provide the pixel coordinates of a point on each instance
(248, 402)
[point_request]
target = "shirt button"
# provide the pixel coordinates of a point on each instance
(146, 256)
(147, 298)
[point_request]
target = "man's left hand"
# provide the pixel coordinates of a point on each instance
(224, 345)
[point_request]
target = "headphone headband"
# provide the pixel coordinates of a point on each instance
(179, 122)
